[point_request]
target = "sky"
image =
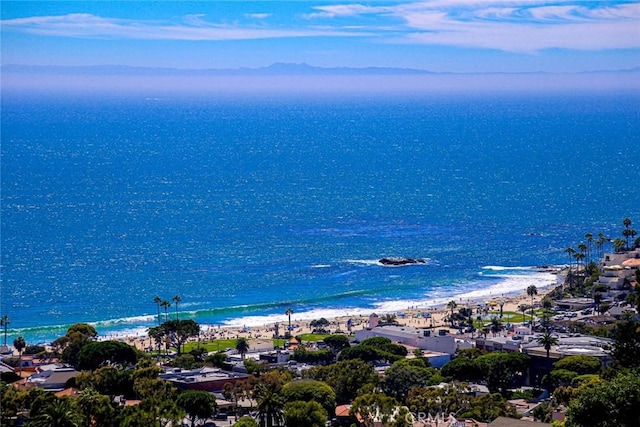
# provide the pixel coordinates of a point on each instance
(462, 36)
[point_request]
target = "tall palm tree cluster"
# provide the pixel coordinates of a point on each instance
(165, 304)
(586, 256)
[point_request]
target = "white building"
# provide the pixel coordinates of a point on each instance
(407, 335)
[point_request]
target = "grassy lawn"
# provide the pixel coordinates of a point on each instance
(313, 337)
(215, 345)
(507, 316)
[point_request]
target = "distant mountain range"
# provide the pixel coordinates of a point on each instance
(277, 69)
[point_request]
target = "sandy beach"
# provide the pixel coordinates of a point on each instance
(412, 316)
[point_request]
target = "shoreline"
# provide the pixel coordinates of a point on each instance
(511, 287)
(412, 316)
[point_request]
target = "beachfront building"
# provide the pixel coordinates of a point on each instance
(574, 304)
(619, 258)
(499, 343)
(205, 379)
(418, 338)
(568, 345)
(618, 271)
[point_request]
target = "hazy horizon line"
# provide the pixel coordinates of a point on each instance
(276, 68)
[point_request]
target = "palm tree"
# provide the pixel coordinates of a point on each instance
(176, 299)
(627, 223)
(242, 345)
(165, 304)
(390, 319)
(4, 321)
(270, 405)
(58, 413)
(579, 257)
(289, 311)
(496, 325)
(570, 252)
(583, 248)
(532, 291)
(501, 304)
(523, 309)
(589, 238)
(547, 340)
(602, 239)
(618, 245)
(452, 305)
(597, 300)
(157, 300)
(19, 344)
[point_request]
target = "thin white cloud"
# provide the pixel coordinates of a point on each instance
(527, 27)
(257, 15)
(192, 28)
(508, 25)
(344, 10)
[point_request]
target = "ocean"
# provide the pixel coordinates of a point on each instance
(245, 207)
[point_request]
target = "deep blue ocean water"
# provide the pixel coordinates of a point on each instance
(245, 207)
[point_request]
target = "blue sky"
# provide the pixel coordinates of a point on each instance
(437, 35)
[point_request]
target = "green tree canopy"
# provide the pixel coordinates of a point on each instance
(199, 405)
(581, 364)
(305, 414)
(346, 378)
(337, 343)
(611, 403)
(95, 409)
(303, 355)
(310, 390)
(626, 349)
(177, 332)
(108, 380)
(375, 349)
(98, 353)
(71, 343)
(488, 407)
(559, 377)
(436, 400)
(374, 407)
(500, 369)
(246, 421)
(462, 369)
(375, 342)
(404, 375)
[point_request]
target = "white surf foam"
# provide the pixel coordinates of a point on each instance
(507, 285)
(298, 317)
(504, 268)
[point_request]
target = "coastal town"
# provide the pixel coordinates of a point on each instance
(564, 355)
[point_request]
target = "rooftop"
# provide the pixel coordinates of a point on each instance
(199, 375)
